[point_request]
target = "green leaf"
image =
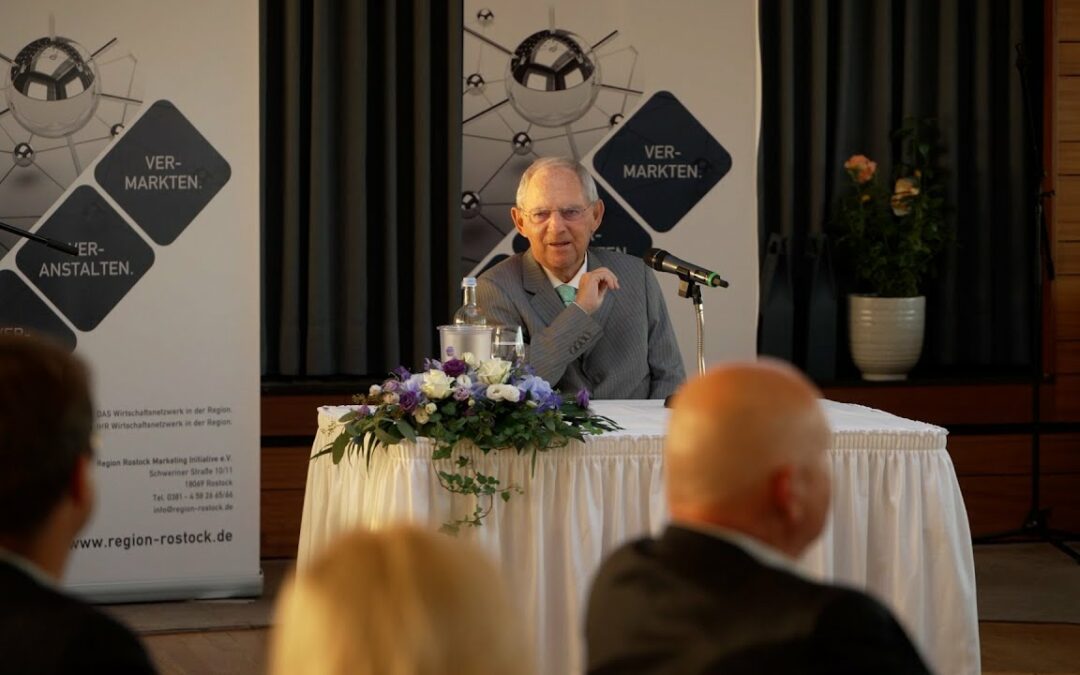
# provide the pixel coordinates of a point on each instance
(405, 429)
(337, 450)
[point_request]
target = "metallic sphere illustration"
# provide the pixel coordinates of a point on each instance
(485, 16)
(616, 119)
(470, 204)
(522, 143)
(116, 129)
(474, 83)
(553, 78)
(55, 88)
(23, 154)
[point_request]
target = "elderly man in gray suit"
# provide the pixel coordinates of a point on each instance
(593, 318)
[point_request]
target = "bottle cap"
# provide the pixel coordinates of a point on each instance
(468, 282)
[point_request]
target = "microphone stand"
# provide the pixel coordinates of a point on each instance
(690, 289)
(1036, 524)
(51, 243)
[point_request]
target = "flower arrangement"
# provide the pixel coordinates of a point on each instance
(892, 237)
(493, 404)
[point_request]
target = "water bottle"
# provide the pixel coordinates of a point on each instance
(469, 314)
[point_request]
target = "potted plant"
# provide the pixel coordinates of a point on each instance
(891, 237)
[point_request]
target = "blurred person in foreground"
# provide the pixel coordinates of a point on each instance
(748, 487)
(400, 601)
(46, 496)
(592, 318)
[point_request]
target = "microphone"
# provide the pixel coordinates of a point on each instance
(41, 239)
(662, 261)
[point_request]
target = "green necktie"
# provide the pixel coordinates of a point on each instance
(567, 293)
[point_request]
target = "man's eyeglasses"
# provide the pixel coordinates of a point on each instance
(570, 214)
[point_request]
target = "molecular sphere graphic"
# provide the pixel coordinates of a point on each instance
(485, 16)
(474, 83)
(55, 88)
(470, 204)
(616, 119)
(23, 154)
(522, 143)
(552, 78)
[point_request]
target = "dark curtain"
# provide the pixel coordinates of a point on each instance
(361, 175)
(837, 77)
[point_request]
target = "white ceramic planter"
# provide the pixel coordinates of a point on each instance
(886, 335)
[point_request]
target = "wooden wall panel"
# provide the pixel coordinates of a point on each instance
(1068, 357)
(1067, 304)
(1060, 454)
(1065, 399)
(285, 468)
(1068, 20)
(1067, 209)
(1069, 157)
(280, 522)
(1067, 258)
(296, 415)
(1069, 58)
(986, 455)
(1068, 91)
(989, 403)
(995, 503)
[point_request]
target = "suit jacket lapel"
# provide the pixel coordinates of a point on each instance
(545, 301)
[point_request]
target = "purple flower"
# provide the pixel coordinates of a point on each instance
(537, 387)
(455, 367)
(409, 400)
(432, 364)
(413, 383)
(363, 411)
(582, 398)
(550, 402)
(401, 373)
(390, 386)
(461, 394)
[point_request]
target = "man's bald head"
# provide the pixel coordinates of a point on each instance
(745, 450)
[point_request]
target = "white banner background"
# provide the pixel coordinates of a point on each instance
(183, 344)
(706, 54)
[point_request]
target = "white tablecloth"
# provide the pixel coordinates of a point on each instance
(898, 527)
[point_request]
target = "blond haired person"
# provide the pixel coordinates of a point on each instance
(401, 601)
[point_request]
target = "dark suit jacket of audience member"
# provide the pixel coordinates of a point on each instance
(693, 603)
(44, 631)
(626, 349)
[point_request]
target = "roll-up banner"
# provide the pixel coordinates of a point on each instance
(131, 130)
(660, 101)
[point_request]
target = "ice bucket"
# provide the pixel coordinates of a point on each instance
(475, 339)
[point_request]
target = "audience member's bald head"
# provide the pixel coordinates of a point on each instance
(745, 450)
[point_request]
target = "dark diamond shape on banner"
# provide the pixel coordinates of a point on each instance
(22, 312)
(662, 161)
(112, 258)
(162, 172)
(618, 231)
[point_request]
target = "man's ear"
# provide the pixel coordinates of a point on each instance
(785, 492)
(518, 216)
(81, 486)
(598, 214)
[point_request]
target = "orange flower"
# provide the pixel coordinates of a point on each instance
(861, 168)
(905, 190)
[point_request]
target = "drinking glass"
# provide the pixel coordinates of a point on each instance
(507, 343)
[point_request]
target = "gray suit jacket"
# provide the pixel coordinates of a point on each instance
(626, 349)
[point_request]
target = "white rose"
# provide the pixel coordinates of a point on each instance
(430, 407)
(436, 385)
(503, 392)
(493, 371)
(469, 358)
(421, 416)
(375, 390)
(390, 399)
(464, 381)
